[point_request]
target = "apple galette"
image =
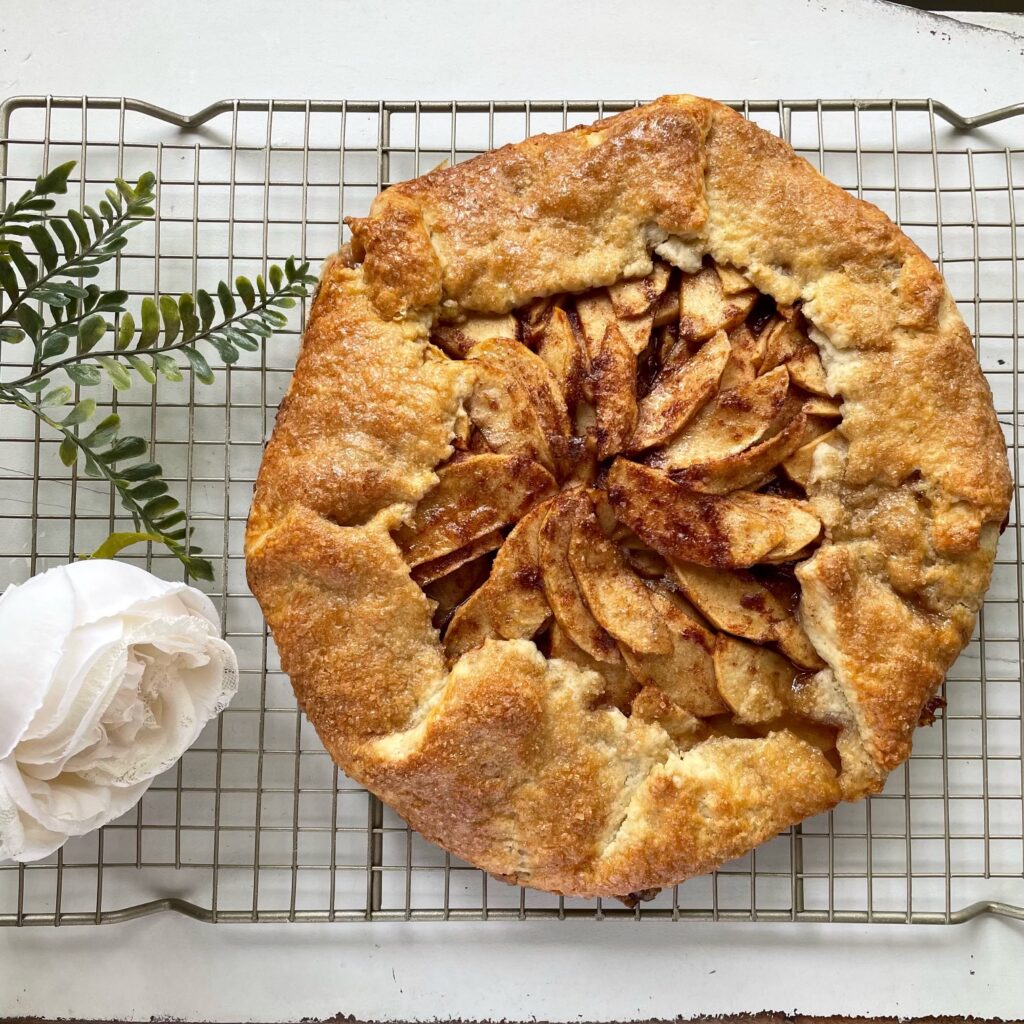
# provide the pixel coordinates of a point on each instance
(634, 491)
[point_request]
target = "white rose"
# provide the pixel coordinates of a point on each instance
(109, 674)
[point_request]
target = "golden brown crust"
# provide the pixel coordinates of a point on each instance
(506, 758)
(554, 213)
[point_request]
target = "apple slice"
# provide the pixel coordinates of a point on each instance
(651, 704)
(737, 603)
(681, 524)
(596, 314)
(731, 601)
(666, 309)
(704, 308)
(639, 295)
(511, 604)
(450, 591)
(473, 497)
(754, 681)
(749, 468)
(685, 673)
(799, 465)
(458, 339)
(783, 342)
(503, 411)
(613, 376)
(428, 572)
(678, 393)
(827, 408)
(614, 593)
(745, 353)
(636, 331)
(535, 315)
(733, 282)
(736, 420)
(644, 561)
(619, 686)
(800, 525)
(560, 586)
(806, 370)
(562, 352)
(532, 372)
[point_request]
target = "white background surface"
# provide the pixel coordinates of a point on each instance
(471, 50)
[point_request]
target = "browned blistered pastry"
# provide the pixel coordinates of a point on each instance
(634, 491)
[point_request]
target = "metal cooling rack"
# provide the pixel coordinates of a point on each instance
(255, 823)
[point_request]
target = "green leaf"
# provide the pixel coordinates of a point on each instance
(97, 220)
(227, 351)
(172, 319)
(30, 320)
(104, 432)
(168, 366)
(200, 367)
(142, 471)
(261, 287)
(119, 541)
(90, 331)
(123, 448)
(77, 221)
(119, 376)
(11, 335)
(56, 344)
(58, 396)
(149, 489)
(33, 387)
(106, 210)
(43, 242)
(68, 452)
(227, 300)
(125, 331)
(52, 295)
(69, 288)
(55, 181)
(112, 302)
(83, 373)
(242, 339)
(127, 192)
(276, 277)
(172, 520)
(8, 279)
(207, 310)
(150, 323)
(25, 266)
(66, 236)
(144, 186)
(189, 321)
(160, 506)
(198, 568)
(144, 370)
(84, 410)
(244, 287)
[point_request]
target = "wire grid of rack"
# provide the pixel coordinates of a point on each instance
(255, 823)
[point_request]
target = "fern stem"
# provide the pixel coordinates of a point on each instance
(62, 268)
(123, 354)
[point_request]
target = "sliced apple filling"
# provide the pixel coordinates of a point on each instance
(628, 489)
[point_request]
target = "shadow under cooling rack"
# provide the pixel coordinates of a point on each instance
(255, 823)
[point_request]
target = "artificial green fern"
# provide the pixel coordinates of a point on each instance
(89, 335)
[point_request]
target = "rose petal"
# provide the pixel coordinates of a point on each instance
(41, 609)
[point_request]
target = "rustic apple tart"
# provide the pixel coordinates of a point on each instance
(634, 491)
